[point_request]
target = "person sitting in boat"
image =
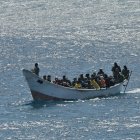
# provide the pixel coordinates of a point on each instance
(82, 80)
(116, 73)
(89, 85)
(44, 77)
(36, 69)
(120, 78)
(107, 80)
(66, 82)
(116, 69)
(77, 85)
(100, 72)
(93, 75)
(86, 81)
(102, 82)
(96, 77)
(74, 82)
(93, 83)
(81, 77)
(125, 72)
(111, 81)
(49, 78)
(56, 81)
(87, 77)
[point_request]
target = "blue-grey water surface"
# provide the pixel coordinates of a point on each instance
(68, 37)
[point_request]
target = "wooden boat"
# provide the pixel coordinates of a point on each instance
(45, 90)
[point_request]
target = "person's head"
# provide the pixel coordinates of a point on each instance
(101, 70)
(115, 64)
(36, 64)
(92, 76)
(49, 77)
(74, 79)
(79, 80)
(87, 75)
(44, 77)
(125, 67)
(56, 79)
(64, 77)
(105, 76)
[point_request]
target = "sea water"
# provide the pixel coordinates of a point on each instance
(68, 38)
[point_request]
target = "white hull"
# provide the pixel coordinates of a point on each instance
(44, 90)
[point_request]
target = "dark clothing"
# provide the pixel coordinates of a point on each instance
(112, 82)
(100, 72)
(116, 69)
(125, 73)
(49, 78)
(65, 81)
(45, 77)
(116, 66)
(120, 78)
(36, 70)
(74, 82)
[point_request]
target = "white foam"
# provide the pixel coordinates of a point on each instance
(136, 90)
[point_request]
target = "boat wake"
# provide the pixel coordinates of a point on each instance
(136, 90)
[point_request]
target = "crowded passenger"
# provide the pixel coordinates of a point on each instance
(77, 84)
(86, 82)
(116, 66)
(36, 69)
(87, 77)
(74, 82)
(100, 72)
(47, 78)
(120, 78)
(93, 75)
(116, 69)
(95, 81)
(112, 81)
(107, 80)
(66, 82)
(57, 81)
(125, 72)
(81, 79)
(44, 77)
(102, 82)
